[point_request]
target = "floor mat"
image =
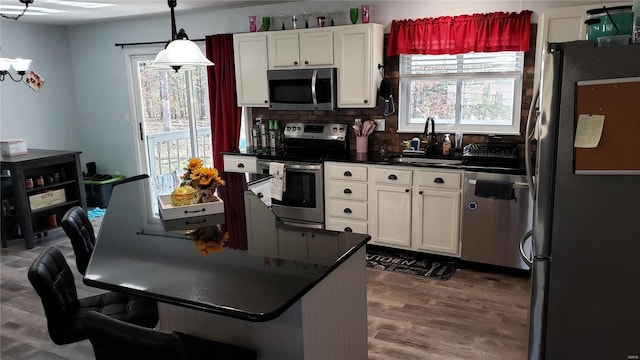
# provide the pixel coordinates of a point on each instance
(418, 264)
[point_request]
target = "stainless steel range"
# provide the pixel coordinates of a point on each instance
(306, 146)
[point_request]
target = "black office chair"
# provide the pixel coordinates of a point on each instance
(79, 229)
(53, 280)
(117, 340)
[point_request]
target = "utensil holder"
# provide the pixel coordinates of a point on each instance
(362, 144)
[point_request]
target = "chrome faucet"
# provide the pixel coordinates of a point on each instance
(432, 142)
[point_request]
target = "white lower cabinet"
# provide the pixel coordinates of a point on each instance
(391, 215)
(399, 206)
(345, 193)
(415, 209)
(437, 221)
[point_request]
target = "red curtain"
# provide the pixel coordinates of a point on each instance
(499, 31)
(225, 130)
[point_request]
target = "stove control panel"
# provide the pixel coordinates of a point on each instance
(316, 131)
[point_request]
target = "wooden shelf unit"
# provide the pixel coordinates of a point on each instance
(43, 163)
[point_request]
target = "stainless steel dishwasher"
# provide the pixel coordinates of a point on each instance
(492, 228)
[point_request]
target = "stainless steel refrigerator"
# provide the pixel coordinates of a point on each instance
(586, 225)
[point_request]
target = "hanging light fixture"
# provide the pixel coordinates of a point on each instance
(180, 52)
(18, 64)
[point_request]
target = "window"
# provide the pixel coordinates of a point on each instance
(478, 93)
(174, 123)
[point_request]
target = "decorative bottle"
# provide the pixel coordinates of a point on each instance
(446, 145)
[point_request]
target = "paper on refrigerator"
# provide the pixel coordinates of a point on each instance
(589, 131)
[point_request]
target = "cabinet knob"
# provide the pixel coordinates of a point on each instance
(407, 190)
(347, 211)
(313, 235)
(438, 180)
(241, 165)
(266, 101)
(260, 195)
(392, 177)
(347, 191)
(420, 192)
(302, 234)
(295, 63)
(347, 173)
(366, 101)
(348, 229)
(306, 62)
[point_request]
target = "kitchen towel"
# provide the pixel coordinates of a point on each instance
(278, 185)
(495, 190)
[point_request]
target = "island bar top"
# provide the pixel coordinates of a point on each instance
(133, 255)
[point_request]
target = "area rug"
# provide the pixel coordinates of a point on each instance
(424, 265)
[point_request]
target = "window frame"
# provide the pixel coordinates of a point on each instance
(404, 100)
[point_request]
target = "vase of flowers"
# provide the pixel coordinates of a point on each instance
(199, 184)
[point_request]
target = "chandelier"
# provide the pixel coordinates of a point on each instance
(180, 52)
(19, 65)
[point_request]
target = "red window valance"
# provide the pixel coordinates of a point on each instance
(499, 31)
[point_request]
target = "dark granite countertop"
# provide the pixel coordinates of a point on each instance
(135, 255)
(388, 159)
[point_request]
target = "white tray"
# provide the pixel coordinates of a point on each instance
(170, 212)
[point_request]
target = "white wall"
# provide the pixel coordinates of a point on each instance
(45, 118)
(100, 70)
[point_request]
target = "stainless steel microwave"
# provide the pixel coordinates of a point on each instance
(302, 89)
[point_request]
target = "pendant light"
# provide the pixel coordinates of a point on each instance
(180, 52)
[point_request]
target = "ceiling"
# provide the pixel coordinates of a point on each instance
(73, 12)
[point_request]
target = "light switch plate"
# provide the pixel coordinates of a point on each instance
(379, 124)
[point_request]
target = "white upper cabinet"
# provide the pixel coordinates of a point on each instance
(561, 25)
(316, 48)
(284, 50)
(250, 56)
(358, 51)
(300, 48)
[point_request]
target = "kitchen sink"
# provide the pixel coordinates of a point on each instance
(414, 160)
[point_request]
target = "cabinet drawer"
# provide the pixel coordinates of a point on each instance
(347, 209)
(346, 172)
(240, 164)
(347, 225)
(346, 190)
(391, 176)
(436, 179)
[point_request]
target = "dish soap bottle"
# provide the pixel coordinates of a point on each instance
(446, 145)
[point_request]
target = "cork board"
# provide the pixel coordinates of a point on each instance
(618, 151)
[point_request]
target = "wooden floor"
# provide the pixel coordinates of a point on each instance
(474, 315)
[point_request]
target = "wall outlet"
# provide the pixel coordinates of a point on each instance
(379, 124)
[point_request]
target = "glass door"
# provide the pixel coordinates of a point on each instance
(172, 112)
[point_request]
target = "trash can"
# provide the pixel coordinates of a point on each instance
(99, 191)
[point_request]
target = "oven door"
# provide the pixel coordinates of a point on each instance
(302, 201)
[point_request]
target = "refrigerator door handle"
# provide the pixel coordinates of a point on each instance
(528, 260)
(529, 134)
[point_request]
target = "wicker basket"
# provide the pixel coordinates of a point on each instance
(184, 195)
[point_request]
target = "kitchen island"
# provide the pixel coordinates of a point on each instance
(308, 306)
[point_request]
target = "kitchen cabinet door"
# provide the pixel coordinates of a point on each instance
(316, 48)
(250, 55)
(284, 50)
(390, 214)
(560, 25)
(436, 221)
(358, 51)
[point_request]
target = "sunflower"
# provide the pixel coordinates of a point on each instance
(204, 176)
(194, 164)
